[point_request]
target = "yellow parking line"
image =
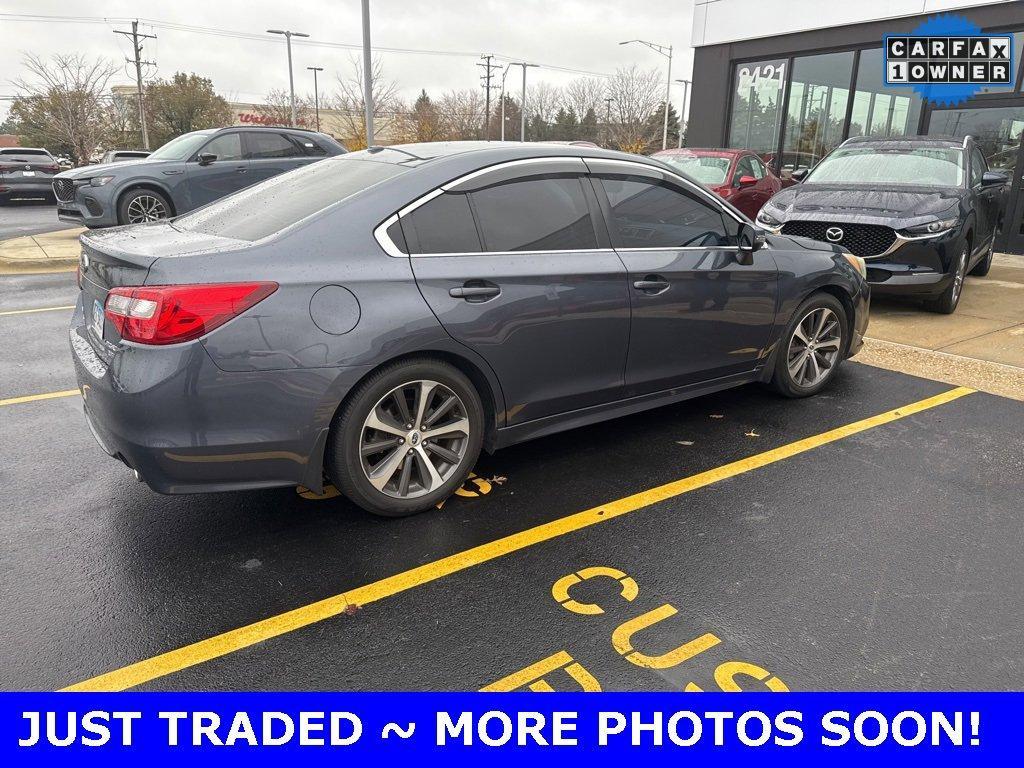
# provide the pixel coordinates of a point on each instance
(44, 396)
(32, 311)
(243, 637)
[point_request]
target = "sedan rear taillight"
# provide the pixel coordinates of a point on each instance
(170, 314)
(50, 168)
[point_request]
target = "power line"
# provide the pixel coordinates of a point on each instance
(239, 35)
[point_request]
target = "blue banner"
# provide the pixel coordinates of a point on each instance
(324, 728)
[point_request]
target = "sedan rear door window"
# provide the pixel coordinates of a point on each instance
(536, 214)
(267, 144)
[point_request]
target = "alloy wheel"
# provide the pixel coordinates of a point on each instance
(958, 276)
(414, 439)
(146, 208)
(814, 347)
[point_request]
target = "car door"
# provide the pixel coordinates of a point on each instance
(511, 263)
(987, 200)
(228, 173)
(270, 153)
(697, 312)
(767, 184)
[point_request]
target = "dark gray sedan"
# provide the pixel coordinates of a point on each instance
(377, 319)
(185, 173)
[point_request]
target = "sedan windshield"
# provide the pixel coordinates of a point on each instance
(706, 170)
(182, 147)
(903, 166)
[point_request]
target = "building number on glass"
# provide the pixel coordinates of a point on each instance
(762, 75)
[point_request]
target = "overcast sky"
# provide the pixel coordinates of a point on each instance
(572, 34)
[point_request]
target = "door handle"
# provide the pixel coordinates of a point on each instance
(475, 291)
(652, 284)
(241, 169)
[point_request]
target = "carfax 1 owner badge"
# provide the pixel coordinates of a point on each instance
(947, 60)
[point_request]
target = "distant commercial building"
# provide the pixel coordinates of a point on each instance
(792, 80)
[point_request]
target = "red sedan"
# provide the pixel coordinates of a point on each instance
(738, 175)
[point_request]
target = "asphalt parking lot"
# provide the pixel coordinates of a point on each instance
(19, 218)
(870, 538)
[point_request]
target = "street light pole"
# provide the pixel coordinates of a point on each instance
(503, 76)
(367, 74)
(608, 121)
(667, 52)
(683, 112)
(288, 35)
(522, 105)
(316, 95)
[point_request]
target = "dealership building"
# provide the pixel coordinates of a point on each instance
(793, 80)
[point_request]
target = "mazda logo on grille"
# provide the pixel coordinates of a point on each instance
(834, 234)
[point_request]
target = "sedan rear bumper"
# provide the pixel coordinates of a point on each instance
(185, 426)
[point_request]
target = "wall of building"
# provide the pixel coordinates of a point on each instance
(712, 68)
(722, 21)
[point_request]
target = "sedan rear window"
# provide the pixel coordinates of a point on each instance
(914, 166)
(283, 200)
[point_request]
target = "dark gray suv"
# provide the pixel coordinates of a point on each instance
(185, 173)
(379, 318)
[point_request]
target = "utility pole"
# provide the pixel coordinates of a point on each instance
(667, 52)
(522, 104)
(504, 75)
(488, 68)
(682, 114)
(138, 62)
(316, 96)
(288, 35)
(608, 121)
(367, 74)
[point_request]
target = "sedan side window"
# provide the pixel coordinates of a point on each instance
(227, 146)
(442, 225)
(535, 214)
(744, 168)
(646, 214)
(758, 168)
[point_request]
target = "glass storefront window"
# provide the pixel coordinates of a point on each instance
(997, 131)
(878, 109)
(757, 106)
(816, 117)
(1018, 41)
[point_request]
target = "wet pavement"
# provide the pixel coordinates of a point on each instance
(886, 558)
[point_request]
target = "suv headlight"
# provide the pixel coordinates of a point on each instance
(768, 220)
(99, 181)
(933, 227)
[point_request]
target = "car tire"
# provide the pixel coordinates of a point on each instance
(145, 203)
(815, 342)
(947, 301)
(404, 483)
(982, 267)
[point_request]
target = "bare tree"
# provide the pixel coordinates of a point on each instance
(543, 100)
(461, 114)
(637, 94)
(276, 109)
(122, 118)
(64, 104)
(584, 94)
(390, 118)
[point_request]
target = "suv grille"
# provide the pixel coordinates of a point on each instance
(64, 189)
(858, 239)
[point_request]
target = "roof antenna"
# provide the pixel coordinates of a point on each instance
(378, 148)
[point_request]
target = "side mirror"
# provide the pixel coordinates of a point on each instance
(205, 158)
(745, 181)
(751, 239)
(799, 174)
(994, 178)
